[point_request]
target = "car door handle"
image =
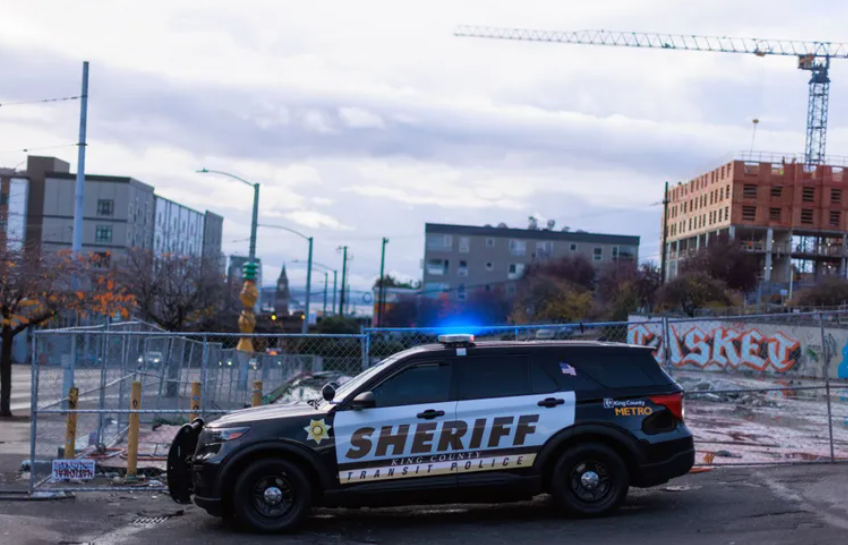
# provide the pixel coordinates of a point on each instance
(551, 402)
(429, 414)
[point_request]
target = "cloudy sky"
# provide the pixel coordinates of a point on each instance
(367, 119)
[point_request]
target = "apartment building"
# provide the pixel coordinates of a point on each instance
(791, 215)
(459, 259)
(119, 213)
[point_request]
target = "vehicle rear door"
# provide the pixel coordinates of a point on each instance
(510, 408)
(400, 437)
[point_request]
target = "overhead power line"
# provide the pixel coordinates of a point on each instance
(40, 101)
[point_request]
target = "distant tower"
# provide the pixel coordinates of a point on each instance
(281, 297)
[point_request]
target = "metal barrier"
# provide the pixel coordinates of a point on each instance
(760, 389)
(177, 374)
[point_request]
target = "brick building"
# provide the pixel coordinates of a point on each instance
(791, 215)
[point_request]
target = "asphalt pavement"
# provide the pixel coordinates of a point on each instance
(778, 505)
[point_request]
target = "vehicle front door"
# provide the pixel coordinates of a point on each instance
(401, 437)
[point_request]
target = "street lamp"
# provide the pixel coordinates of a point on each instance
(305, 325)
(329, 269)
(249, 293)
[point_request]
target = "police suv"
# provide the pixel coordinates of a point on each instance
(455, 422)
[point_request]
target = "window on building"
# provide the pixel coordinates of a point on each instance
(727, 191)
(573, 247)
(464, 245)
(510, 289)
(490, 242)
(836, 196)
(726, 213)
(808, 194)
(776, 190)
(435, 241)
(105, 207)
(515, 271)
(614, 253)
(462, 269)
(721, 193)
(598, 254)
(690, 224)
(774, 214)
(834, 218)
(749, 191)
(103, 233)
(490, 266)
(433, 289)
(461, 294)
(517, 247)
(544, 249)
(807, 216)
(749, 213)
(437, 266)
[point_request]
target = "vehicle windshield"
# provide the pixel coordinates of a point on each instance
(354, 383)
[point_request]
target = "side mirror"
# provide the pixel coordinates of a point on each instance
(365, 400)
(328, 392)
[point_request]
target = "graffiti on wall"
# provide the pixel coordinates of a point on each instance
(720, 347)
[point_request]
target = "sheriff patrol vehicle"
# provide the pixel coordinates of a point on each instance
(453, 422)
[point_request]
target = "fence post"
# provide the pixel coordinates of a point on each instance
(827, 386)
(366, 348)
(196, 404)
(104, 354)
(666, 341)
(33, 429)
(132, 442)
(257, 393)
(204, 376)
(71, 430)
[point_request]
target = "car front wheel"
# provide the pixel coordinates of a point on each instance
(272, 496)
(590, 480)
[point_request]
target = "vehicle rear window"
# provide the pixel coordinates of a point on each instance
(617, 368)
(486, 377)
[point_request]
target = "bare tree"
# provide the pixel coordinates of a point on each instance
(177, 293)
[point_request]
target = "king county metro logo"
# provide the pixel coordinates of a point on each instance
(317, 430)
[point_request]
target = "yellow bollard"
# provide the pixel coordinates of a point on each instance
(132, 446)
(257, 393)
(71, 432)
(195, 401)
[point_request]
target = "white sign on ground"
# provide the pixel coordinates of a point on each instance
(77, 470)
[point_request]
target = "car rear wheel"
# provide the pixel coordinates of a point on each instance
(590, 480)
(272, 496)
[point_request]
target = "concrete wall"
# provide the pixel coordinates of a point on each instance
(754, 347)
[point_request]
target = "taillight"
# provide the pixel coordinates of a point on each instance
(672, 402)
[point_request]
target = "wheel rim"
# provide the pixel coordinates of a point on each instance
(273, 496)
(590, 482)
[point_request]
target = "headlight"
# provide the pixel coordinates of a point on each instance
(222, 435)
(156, 360)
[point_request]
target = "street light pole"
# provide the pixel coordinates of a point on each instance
(344, 278)
(382, 286)
(249, 292)
(305, 327)
(326, 281)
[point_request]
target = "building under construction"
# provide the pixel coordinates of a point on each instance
(793, 215)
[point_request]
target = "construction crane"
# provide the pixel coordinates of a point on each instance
(814, 57)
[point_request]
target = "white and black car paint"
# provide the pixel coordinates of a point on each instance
(580, 420)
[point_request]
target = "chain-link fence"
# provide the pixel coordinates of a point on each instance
(760, 389)
(179, 375)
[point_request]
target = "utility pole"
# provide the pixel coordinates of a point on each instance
(381, 291)
(326, 281)
(305, 328)
(664, 252)
(79, 191)
(344, 279)
(335, 287)
(254, 223)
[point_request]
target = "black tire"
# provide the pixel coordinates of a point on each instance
(284, 482)
(582, 466)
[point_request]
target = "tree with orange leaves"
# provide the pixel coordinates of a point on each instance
(34, 288)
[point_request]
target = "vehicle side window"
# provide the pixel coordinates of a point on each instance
(422, 383)
(486, 377)
(541, 381)
(568, 374)
(611, 367)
